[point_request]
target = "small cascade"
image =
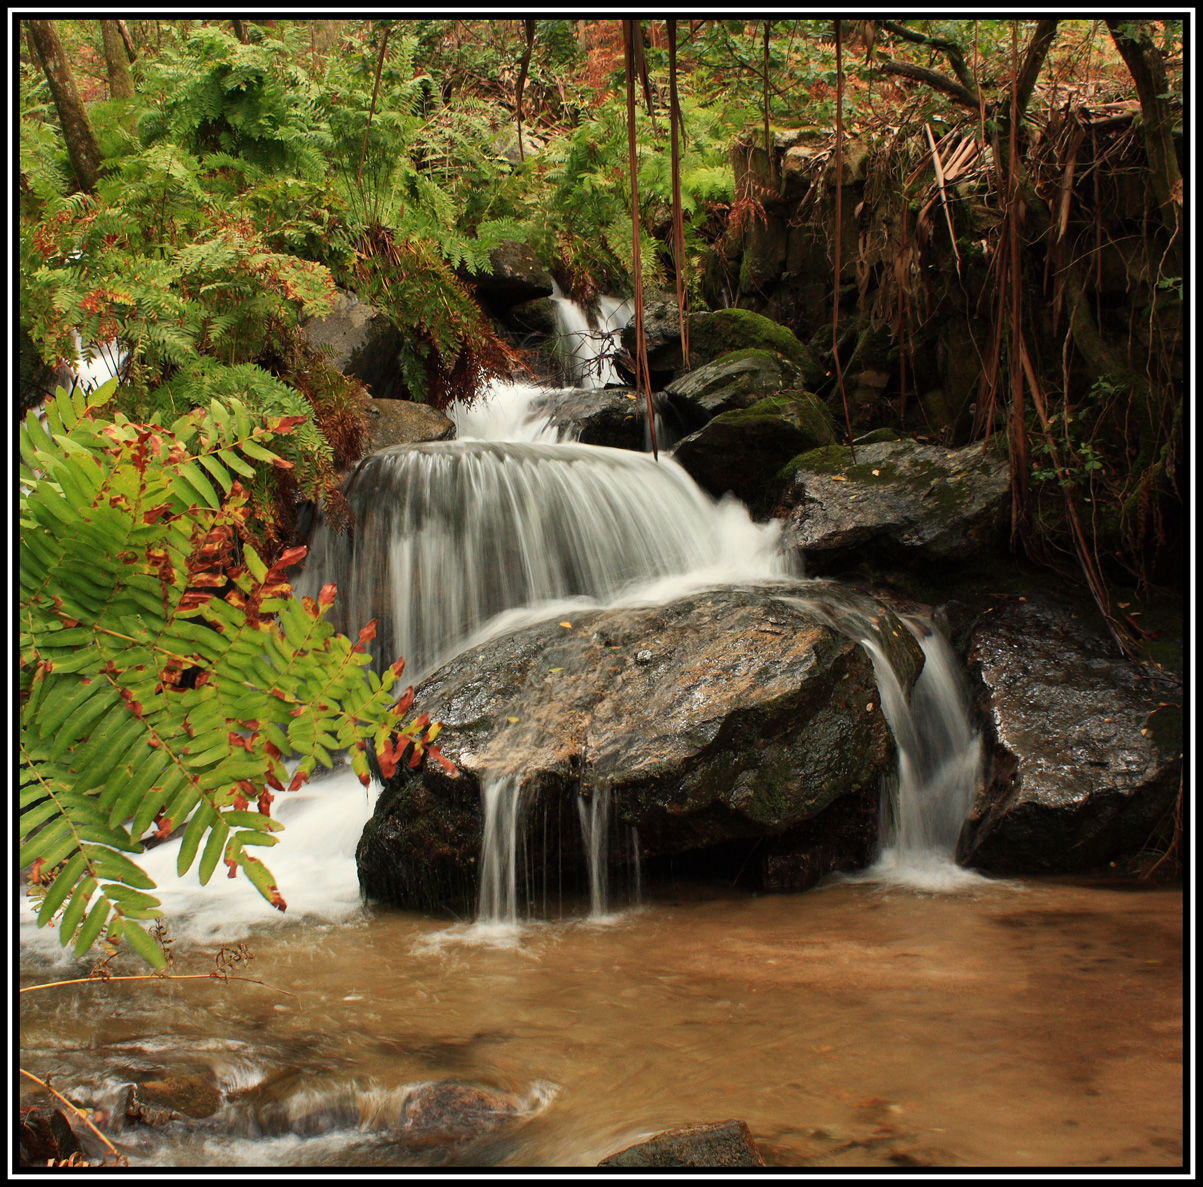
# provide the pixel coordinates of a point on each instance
(506, 412)
(939, 778)
(595, 831)
(498, 902)
(926, 800)
(939, 766)
(450, 534)
(589, 337)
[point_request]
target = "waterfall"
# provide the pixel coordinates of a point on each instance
(450, 534)
(940, 760)
(589, 337)
(925, 803)
(595, 830)
(498, 900)
(939, 753)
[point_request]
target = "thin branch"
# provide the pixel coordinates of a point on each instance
(933, 79)
(523, 67)
(631, 34)
(213, 976)
(83, 1116)
(950, 49)
(839, 232)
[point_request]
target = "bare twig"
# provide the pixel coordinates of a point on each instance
(80, 1113)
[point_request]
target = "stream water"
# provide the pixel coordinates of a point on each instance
(916, 1015)
(851, 1026)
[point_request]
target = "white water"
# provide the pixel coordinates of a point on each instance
(451, 534)
(590, 337)
(314, 867)
(925, 803)
(464, 540)
(499, 850)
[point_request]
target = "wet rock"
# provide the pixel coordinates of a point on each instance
(404, 422)
(716, 1144)
(603, 416)
(1086, 756)
(533, 317)
(156, 1102)
(452, 1112)
(725, 718)
(897, 502)
(742, 451)
(615, 416)
(734, 380)
(45, 1135)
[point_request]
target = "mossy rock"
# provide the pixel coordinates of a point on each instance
(734, 380)
(891, 501)
(741, 452)
(720, 332)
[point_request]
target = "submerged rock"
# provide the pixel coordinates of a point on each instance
(726, 718)
(45, 1136)
(895, 501)
(155, 1102)
(716, 1144)
(1086, 761)
(452, 1113)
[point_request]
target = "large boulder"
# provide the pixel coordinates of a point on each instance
(360, 341)
(894, 502)
(715, 1144)
(404, 422)
(742, 451)
(729, 720)
(1086, 757)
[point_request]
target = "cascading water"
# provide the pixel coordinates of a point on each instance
(449, 535)
(588, 337)
(926, 799)
(938, 778)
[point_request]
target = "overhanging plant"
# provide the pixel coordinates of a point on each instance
(166, 671)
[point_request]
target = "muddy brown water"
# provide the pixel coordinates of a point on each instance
(1007, 1026)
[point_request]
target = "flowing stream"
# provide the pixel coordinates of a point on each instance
(870, 1023)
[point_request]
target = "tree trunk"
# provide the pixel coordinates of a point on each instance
(82, 149)
(121, 82)
(1135, 44)
(130, 49)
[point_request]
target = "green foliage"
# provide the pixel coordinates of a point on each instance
(253, 102)
(165, 672)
